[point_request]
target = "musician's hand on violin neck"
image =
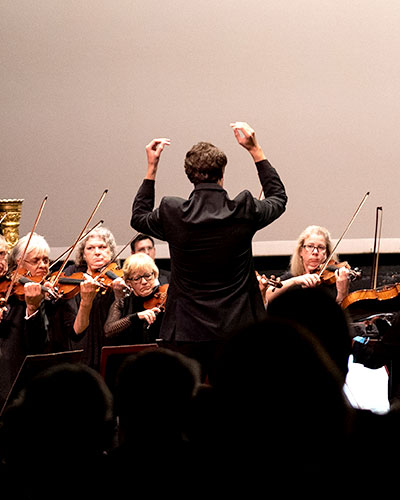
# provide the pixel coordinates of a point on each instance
(342, 274)
(149, 315)
(342, 283)
(262, 282)
(33, 297)
(88, 289)
(120, 288)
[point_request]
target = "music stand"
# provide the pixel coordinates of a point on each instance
(33, 364)
(112, 357)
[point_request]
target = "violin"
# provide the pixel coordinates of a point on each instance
(18, 285)
(109, 274)
(272, 281)
(387, 292)
(328, 275)
(69, 286)
(158, 299)
(382, 299)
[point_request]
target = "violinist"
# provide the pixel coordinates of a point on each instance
(3, 264)
(24, 324)
(86, 313)
(130, 320)
(145, 243)
(3, 256)
(313, 247)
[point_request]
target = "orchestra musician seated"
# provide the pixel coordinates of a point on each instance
(86, 313)
(3, 266)
(145, 243)
(3, 256)
(313, 248)
(23, 327)
(136, 319)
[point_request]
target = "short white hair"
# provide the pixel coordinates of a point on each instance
(37, 242)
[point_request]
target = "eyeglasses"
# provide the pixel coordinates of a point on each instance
(311, 248)
(136, 279)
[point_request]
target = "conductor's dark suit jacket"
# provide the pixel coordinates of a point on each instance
(213, 289)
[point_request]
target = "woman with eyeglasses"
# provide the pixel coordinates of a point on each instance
(129, 320)
(313, 247)
(24, 320)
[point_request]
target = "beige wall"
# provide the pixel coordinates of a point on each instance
(86, 84)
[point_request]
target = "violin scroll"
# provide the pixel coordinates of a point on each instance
(271, 281)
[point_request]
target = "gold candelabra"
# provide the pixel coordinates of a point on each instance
(10, 216)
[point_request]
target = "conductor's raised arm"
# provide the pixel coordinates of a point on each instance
(246, 137)
(153, 151)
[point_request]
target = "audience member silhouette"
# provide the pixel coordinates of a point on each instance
(281, 414)
(153, 393)
(275, 417)
(318, 312)
(53, 437)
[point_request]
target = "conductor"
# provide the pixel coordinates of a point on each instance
(213, 289)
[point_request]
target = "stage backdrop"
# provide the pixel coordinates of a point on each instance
(85, 85)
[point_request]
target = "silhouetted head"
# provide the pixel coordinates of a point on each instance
(278, 390)
(317, 311)
(64, 412)
(153, 392)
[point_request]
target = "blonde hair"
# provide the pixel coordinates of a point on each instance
(37, 242)
(102, 233)
(296, 262)
(139, 263)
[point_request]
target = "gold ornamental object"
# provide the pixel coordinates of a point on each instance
(10, 215)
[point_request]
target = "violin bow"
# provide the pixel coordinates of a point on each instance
(19, 266)
(344, 232)
(72, 248)
(377, 239)
(83, 237)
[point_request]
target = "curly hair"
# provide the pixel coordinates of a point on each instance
(105, 235)
(204, 162)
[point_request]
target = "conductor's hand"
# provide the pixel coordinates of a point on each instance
(246, 137)
(153, 151)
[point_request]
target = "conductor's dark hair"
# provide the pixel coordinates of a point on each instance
(204, 162)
